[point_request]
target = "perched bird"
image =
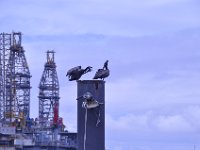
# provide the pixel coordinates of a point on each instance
(102, 73)
(76, 72)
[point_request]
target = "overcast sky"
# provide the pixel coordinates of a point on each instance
(153, 48)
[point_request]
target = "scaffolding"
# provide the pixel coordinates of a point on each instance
(14, 78)
(48, 92)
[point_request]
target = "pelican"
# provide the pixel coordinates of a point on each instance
(76, 72)
(102, 73)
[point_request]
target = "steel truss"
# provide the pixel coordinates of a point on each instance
(48, 92)
(14, 78)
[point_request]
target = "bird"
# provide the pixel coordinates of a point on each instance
(102, 73)
(76, 72)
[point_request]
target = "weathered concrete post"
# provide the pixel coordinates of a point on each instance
(91, 122)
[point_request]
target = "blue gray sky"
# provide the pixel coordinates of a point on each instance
(152, 94)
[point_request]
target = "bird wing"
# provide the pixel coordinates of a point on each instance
(98, 74)
(101, 73)
(70, 71)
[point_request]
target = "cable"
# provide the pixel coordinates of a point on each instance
(85, 134)
(98, 117)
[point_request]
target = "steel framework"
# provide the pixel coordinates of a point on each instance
(14, 78)
(5, 44)
(48, 91)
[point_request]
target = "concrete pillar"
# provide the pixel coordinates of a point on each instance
(94, 137)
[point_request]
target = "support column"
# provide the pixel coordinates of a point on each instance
(91, 121)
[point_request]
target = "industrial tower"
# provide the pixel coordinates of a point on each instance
(15, 78)
(5, 44)
(49, 93)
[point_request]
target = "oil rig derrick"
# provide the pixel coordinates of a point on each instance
(5, 43)
(49, 94)
(17, 82)
(14, 78)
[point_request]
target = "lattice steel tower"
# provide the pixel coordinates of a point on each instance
(17, 81)
(14, 78)
(48, 91)
(5, 44)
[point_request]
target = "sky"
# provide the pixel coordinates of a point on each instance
(152, 94)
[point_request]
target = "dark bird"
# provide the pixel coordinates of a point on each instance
(102, 73)
(76, 72)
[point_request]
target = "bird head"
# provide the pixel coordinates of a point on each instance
(88, 69)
